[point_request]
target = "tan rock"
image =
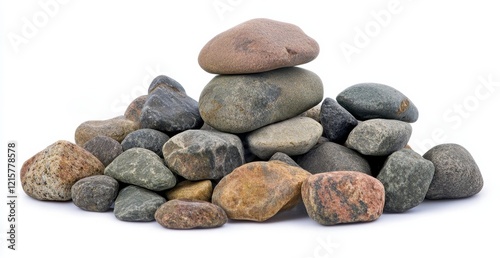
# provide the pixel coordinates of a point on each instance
(133, 112)
(187, 214)
(116, 128)
(198, 190)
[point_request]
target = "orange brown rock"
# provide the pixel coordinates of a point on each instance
(192, 190)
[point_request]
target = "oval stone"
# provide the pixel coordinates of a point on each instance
(150, 139)
(116, 128)
(373, 100)
(243, 103)
(187, 214)
(95, 193)
(105, 148)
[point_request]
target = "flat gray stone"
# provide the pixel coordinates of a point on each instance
(95, 193)
(294, 136)
(150, 139)
(457, 174)
(330, 156)
(379, 137)
(372, 100)
(168, 108)
(141, 167)
(337, 122)
(406, 177)
(200, 154)
(243, 103)
(137, 204)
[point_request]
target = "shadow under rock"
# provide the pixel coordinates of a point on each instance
(295, 213)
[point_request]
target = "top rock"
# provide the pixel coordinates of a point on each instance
(258, 45)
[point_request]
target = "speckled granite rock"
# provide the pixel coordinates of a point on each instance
(50, 174)
(105, 148)
(95, 193)
(406, 177)
(343, 197)
(187, 214)
(191, 190)
(137, 204)
(257, 191)
(257, 45)
(116, 128)
(456, 176)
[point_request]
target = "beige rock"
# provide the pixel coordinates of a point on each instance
(198, 190)
(116, 128)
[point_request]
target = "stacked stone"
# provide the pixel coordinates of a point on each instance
(257, 143)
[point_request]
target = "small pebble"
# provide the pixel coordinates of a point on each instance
(188, 214)
(150, 139)
(95, 193)
(105, 148)
(137, 204)
(337, 122)
(191, 190)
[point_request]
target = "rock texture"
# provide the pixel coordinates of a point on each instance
(116, 128)
(257, 45)
(192, 190)
(150, 139)
(337, 122)
(50, 174)
(134, 109)
(187, 214)
(105, 148)
(137, 204)
(95, 193)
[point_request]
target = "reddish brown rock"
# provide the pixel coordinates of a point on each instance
(116, 128)
(257, 45)
(343, 197)
(133, 112)
(50, 174)
(199, 190)
(258, 190)
(187, 214)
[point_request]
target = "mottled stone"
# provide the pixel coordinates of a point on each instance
(456, 173)
(406, 177)
(379, 137)
(337, 122)
(187, 214)
(168, 108)
(134, 109)
(116, 128)
(192, 190)
(95, 193)
(257, 191)
(105, 148)
(257, 45)
(280, 156)
(313, 113)
(50, 174)
(293, 136)
(137, 204)
(243, 103)
(330, 156)
(143, 168)
(199, 154)
(372, 100)
(343, 197)
(150, 139)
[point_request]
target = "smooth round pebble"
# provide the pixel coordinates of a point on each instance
(188, 214)
(95, 193)
(116, 128)
(150, 139)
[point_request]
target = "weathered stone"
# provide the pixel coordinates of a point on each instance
(134, 109)
(330, 156)
(105, 148)
(257, 191)
(243, 103)
(313, 113)
(456, 173)
(199, 154)
(372, 100)
(406, 177)
(294, 136)
(192, 190)
(379, 137)
(280, 156)
(137, 204)
(141, 167)
(50, 174)
(336, 121)
(257, 45)
(187, 214)
(116, 128)
(343, 197)
(168, 108)
(95, 193)
(150, 139)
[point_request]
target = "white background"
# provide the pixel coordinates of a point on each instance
(85, 60)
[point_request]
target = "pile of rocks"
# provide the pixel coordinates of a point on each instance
(255, 144)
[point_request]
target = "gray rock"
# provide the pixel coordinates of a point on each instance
(201, 154)
(330, 156)
(137, 204)
(372, 100)
(457, 174)
(104, 148)
(143, 168)
(406, 177)
(294, 136)
(280, 156)
(168, 108)
(150, 139)
(379, 137)
(337, 122)
(243, 103)
(95, 193)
